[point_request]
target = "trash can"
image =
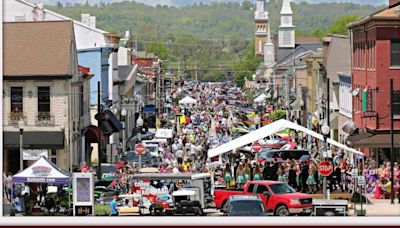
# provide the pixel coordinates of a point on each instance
(361, 211)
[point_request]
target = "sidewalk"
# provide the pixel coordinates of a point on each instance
(382, 207)
(6, 207)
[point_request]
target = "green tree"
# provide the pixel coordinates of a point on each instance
(340, 25)
(247, 5)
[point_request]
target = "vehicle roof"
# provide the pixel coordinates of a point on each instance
(265, 182)
(170, 176)
(243, 197)
(289, 150)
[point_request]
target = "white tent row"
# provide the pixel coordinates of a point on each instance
(187, 100)
(260, 98)
(271, 129)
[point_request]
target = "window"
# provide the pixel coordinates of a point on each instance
(396, 104)
(53, 156)
(81, 101)
(17, 99)
(261, 189)
(250, 188)
(395, 52)
(44, 102)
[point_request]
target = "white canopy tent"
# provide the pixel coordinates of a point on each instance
(187, 100)
(260, 98)
(271, 129)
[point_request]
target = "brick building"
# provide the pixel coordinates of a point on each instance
(375, 60)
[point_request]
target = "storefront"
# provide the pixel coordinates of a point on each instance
(51, 142)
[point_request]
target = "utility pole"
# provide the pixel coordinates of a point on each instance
(325, 180)
(391, 143)
(287, 82)
(100, 152)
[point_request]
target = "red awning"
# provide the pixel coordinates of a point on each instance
(143, 62)
(93, 134)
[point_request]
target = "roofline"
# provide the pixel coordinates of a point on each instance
(64, 17)
(36, 77)
(372, 17)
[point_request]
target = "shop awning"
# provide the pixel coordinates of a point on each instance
(371, 140)
(93, 134)
(35, 139)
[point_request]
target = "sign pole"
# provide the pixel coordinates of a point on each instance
(391, 144)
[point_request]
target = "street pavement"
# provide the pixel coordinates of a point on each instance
(6, 207)
(382, 207)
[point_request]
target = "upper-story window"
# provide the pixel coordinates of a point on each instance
(44, 102)
(17, 99)
(395, 52)
(81, 106)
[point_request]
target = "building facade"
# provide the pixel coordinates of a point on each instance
(375, 60)
(44, 94)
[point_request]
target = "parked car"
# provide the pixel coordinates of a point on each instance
(244, 206)
(278, 197)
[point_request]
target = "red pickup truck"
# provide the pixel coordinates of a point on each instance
(278, 197)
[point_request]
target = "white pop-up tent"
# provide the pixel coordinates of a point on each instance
(271, 129)
(42, 171)
(187, 100)
(260, 98)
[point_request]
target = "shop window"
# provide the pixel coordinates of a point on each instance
(396, 104)
(395, 52)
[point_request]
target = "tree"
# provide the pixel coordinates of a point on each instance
(247, 5)
(340, 25)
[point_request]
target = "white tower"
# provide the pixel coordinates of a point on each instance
(286, 29)
(269, 52)
(261, 20)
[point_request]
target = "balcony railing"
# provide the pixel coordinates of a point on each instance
(45, 119)
(16, 116)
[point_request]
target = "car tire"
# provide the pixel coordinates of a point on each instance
(282, 210)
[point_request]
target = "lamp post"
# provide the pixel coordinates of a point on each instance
(325, 131)
(21, 125)
(139, 125)
(123, 114)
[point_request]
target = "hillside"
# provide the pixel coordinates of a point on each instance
(181, 3)
(217, 21)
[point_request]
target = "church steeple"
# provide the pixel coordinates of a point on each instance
(286, 29)
(261, 20)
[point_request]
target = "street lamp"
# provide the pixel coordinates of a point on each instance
(139, 125)
(325, 129)
(21, 125)
(123, 114)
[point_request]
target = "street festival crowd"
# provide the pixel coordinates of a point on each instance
(220, 111)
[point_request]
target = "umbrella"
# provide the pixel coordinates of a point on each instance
(187, 100)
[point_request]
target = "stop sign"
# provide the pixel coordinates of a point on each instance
(140, 149)
(325, 168)
(256, 147)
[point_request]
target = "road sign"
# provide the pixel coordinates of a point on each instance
(354, 173)
(256, 147)
(325, 168)
(361, 181)
(140, 149)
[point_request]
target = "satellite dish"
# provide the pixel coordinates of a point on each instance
(355, 92)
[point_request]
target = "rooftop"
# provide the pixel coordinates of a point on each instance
(39, 48)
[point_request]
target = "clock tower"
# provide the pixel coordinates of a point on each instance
(261, 20)
(286, 29)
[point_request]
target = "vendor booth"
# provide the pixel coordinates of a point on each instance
(42, 172)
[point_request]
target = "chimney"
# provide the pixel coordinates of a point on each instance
(92, 20)
(85, 19)
(393, 2)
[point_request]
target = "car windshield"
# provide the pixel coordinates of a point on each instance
(282, 188)
(108, 168)
(133, 157)
(252, 207)
(151, 149)
(290, 154)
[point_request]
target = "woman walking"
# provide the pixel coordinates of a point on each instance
(293, 176)
(247, 172)
(240, 180)
(227, 175)
(256, 173)
(311, 180)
